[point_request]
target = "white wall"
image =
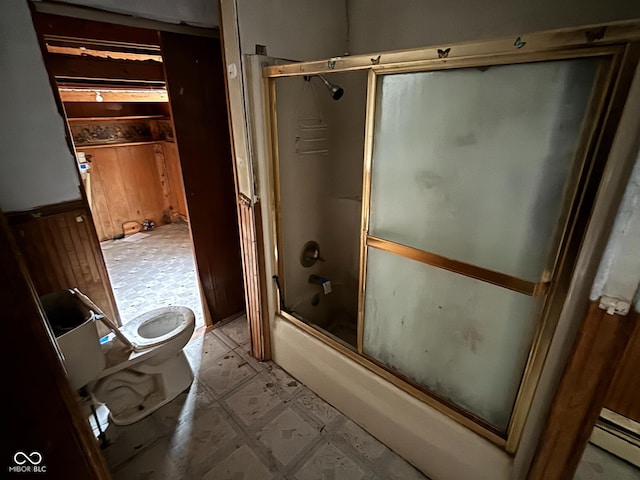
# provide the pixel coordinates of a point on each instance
(619, 273)
(294, 30)
(343, 205)
(304, 181)
(199, 13)
(36, 166)
(378, 25)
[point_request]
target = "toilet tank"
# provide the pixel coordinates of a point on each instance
(74, 327)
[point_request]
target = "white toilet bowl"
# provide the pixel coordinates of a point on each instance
(138, 381)
(139, 370)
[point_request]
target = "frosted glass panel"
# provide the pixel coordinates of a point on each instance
(472, 163)
(464, 339)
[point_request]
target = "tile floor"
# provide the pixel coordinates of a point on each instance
(153, 272)
(242, 419)
(598, 464)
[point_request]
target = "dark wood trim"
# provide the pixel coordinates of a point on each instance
(92, 68)
(596, 354)
(63, 26)
(16, 218)
(195, 75)
(61, 250)
(110, 25)
(58, 431)
(624, 394)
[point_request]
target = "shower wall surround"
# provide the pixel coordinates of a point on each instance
(321, 193)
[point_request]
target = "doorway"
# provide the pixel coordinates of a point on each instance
(130, 169)
(162, 203)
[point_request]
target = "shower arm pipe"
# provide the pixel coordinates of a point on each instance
(335, 91)
(104, 318)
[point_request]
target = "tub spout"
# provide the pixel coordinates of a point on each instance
(325, 283)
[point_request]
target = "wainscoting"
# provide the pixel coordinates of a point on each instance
(61, 250)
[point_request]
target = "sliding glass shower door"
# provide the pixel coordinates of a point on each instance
(473, 172)
(480, 169)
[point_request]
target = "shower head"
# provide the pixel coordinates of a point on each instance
(335, 91)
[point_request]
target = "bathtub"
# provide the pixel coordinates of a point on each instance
(335, 313)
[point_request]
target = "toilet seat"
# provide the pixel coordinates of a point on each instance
(158, 326)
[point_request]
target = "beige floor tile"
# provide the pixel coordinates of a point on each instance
(226, 372)
(287, 435)
(128, 440)
(185, 408)
(237, 330)
(253, 401)
(598, 464)
(397, 468)
(329, 463)
(151, 463)
(242, 464)
(286, 384)
(194, 443)
(203, 350)
(316, 407)
(362, 441)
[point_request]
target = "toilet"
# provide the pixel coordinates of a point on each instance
(140, 368)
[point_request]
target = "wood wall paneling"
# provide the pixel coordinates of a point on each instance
(126, 185)
(145, 181)
(596, 354)
(73, 67)
(163, 176)
(107, 177)
(78, 110)
(252, 263)
(194, 74)
(624, 394)
(42, 412)
(174, 175)
(61, 251)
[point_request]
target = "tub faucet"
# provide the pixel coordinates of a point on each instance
(325, 283)
(310, 254)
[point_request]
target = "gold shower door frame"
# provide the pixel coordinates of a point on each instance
(616, 50)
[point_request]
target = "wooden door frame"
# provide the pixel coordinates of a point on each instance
(248, 203)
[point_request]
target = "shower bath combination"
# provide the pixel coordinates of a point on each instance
(320, 190)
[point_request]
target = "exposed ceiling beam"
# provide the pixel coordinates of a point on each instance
(57, 25)
(81, 13)
(120, 96)
(87, 52)
(73, 66)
